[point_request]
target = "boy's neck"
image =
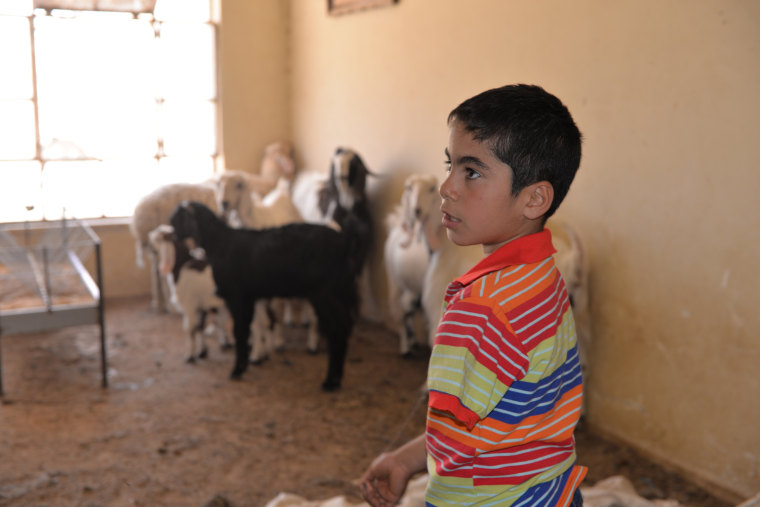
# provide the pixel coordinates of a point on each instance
(529, 227)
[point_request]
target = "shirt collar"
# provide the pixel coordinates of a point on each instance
(523, 250)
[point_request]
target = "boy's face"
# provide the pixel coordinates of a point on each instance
(478, 206)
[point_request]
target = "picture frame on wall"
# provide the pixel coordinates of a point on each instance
(338, 7)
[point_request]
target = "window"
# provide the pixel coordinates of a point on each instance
(99, 107)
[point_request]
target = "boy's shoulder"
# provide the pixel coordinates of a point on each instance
(514, 285)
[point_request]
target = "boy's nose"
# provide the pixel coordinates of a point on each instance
(447, 189)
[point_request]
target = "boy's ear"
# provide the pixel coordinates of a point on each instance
(539, 198)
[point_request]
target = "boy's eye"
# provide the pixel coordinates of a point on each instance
(447, 165)
(471, 174)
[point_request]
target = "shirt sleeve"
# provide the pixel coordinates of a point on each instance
(476, 357)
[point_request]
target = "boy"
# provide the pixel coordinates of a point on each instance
(504, 378)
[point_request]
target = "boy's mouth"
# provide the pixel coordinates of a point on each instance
(449, 221)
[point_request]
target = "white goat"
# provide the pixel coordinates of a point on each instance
(248, 209)
(277, 162)
(155, 209)
(572, 263)
(406, 256)
(194, 291)
(306, 191)
(235, 187)
(447, 262)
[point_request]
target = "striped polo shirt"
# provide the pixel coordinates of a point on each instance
(505, 384)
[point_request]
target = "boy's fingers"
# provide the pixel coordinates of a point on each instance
(375, 495)
(370, 494)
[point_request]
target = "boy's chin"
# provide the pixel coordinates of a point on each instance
(458, 241)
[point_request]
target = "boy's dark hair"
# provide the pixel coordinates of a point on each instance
(528, 129)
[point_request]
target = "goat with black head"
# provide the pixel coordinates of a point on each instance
(344, 195)
(298, 260)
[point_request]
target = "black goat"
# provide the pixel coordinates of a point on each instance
(298, 260)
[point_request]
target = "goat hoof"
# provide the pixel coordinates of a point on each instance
(259, 361)
(237, 372)
(414, 350)
(330, 385)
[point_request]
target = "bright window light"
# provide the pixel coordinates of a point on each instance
(16, 130)
(20, 192)
(16, 63)
(119, 104)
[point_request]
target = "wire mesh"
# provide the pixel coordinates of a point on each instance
(36, 268)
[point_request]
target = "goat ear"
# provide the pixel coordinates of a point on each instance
(364, 167)
(325, 194)
(357, 173)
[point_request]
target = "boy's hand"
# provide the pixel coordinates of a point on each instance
(384, 482)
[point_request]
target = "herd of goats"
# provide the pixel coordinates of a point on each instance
(271, 248)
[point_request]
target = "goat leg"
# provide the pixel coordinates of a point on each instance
(200, 330)
(260, 331)
(335, 326)
(242, 315)
(410, 304)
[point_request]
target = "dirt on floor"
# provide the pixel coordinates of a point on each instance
(166, 432)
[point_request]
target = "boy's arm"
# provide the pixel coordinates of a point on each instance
(384, 482)
(476, 358)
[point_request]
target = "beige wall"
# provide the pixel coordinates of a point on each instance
(121, 276)
(666, 94)
(253, 67)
